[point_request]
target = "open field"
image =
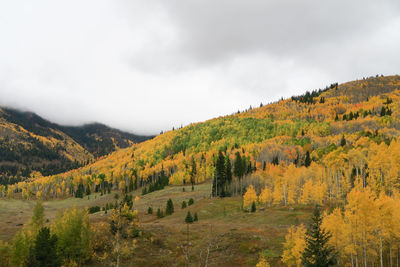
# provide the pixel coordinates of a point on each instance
(233, 237)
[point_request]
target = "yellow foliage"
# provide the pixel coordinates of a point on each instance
(249, 197)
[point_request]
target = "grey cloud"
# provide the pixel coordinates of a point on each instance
(146, 66)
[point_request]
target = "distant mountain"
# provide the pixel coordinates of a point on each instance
(30, 143)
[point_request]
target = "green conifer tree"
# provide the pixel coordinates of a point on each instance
(170, 207)
(189, 218)
(317, 252)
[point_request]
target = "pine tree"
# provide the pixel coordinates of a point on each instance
(238, 168)
(150, 210)
(88, 190)
(45, 249)
(342, 141)
(170, 207)
(307, 161)
(253, 207)
(317, 252)
(219, 177)
(228, 171)
(160, 213)
(183, 204)
(191, 201)
(193, 173)
(195, 218)
(189, 218)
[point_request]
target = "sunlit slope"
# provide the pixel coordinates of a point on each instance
(283, 131)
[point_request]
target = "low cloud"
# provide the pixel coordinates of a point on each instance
(148, 66)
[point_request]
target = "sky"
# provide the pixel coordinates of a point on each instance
(148, 66)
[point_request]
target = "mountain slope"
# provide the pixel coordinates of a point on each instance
(291, 131)
(30, 143)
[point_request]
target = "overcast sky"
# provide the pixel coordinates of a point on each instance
(146, 66)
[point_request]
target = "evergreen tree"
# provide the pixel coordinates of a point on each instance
(317, 252)
(189, 218)
(383, 111)
(228, 171)
(253, 207)
(170, 207)
(307, 161)
(195, 218)
(45, 249)
(88, 190)
(130, 184)
(183, 204)
(342, 141)
(220, 176)
(160, 213)
(238, 168)
(191, 201)
(193, 172)
(150, 210)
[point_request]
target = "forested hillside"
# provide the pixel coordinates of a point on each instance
(337, 147)
(33, 146)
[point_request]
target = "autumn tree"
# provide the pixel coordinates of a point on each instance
(72, 229)
(249, 197)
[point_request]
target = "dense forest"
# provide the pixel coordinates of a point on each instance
(32, 146)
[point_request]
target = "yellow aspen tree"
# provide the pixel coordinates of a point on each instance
(250, 196)
(266, 196)
(341, 237)
(262, 262)
(294, 246)
(307, 193)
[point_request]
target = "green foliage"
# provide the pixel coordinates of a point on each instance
(170, 207)
(20, 247)
(45, 249)
(189, 218)
(342, 141)
(253, 207)
(191, 201)
(183, 204)
(73, 231)
(94, 209)
(307, 160)
(37, 220)
(317, 252)
(160, 213)
(195, 218)
(150, 210)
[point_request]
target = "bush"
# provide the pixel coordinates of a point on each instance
(183, 204)
(191, 201)
(94, 209)
(195, 219)
(160, 213)
(150, 210)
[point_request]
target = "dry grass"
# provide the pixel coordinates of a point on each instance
(235, 238)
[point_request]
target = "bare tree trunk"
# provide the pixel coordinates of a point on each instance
(209, 246)
(352, 260)
(187, 246)
(381, 249)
